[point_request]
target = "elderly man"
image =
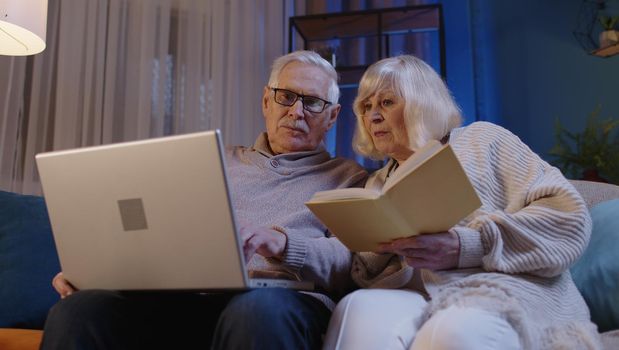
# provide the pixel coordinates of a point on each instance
(269, 183)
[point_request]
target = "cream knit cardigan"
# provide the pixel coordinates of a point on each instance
(515, 250)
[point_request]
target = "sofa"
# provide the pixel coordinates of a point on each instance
(28, 261)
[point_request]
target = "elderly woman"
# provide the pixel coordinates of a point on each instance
(499, 279)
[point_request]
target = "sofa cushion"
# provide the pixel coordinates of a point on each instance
(28, 261)
(596, 274)
(595, 192)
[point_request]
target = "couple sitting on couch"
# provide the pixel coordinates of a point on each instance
(505, 266)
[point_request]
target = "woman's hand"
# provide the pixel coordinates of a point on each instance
(62, 286)
(435, 251)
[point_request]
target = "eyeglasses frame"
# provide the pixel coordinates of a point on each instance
(299, 97)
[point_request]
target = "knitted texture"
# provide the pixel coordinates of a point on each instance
(516, 249)
(270, 190)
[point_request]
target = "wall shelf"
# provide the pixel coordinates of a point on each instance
(372, 33)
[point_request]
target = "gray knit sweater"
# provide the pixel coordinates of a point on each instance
(515, 250)
(270, 190)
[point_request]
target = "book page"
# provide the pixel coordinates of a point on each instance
(431, 194)
(344, 194)
(436, 195)
(361, 224)
(421, 155)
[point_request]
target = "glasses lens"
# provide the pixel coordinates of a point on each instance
(285, 97)
(313, 104)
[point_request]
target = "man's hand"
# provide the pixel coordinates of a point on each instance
(62, 286)
(265, 241)
(436, 251)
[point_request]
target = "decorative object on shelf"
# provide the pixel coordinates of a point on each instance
(23, 25)
(596, 31)
(592, 154)
(329, 53)
(609, 36)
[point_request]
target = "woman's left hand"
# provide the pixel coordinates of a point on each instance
(435, 251)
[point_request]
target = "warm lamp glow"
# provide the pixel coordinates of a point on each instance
(22, 27)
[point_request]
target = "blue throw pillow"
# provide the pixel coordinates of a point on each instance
(28, 261)
(596, 274)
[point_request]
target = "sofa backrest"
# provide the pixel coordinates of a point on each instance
(595, 192)
(28, 261)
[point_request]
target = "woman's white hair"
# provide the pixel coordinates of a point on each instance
(307, 57)
(430, 111)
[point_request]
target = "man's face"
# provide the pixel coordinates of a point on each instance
(292, 128)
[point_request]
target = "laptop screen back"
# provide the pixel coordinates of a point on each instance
(144, 215)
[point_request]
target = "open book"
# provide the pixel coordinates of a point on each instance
(428, 193)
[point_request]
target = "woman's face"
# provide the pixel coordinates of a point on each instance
(383, 118)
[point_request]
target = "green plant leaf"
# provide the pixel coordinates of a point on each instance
(604, 21)
(596, 147)
(608, 23)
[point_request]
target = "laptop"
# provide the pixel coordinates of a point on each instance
(147, 215)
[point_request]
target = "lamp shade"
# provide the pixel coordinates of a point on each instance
(22, 27)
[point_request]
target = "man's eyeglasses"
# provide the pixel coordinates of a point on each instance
(310, 103)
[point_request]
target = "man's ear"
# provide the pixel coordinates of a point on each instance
(333, 113)
(266, 94)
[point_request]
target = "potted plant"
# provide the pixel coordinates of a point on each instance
(592, 154)
(609, 36)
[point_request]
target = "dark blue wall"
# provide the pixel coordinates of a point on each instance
(530, 70)
(517, 63)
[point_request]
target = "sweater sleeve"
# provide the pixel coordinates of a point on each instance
(532, 219)
(373, 270)
(324, 259)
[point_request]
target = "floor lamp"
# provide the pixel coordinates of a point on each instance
(22, 27)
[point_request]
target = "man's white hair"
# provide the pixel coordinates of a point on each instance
(307, 57)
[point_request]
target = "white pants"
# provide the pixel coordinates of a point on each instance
(388, 319)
